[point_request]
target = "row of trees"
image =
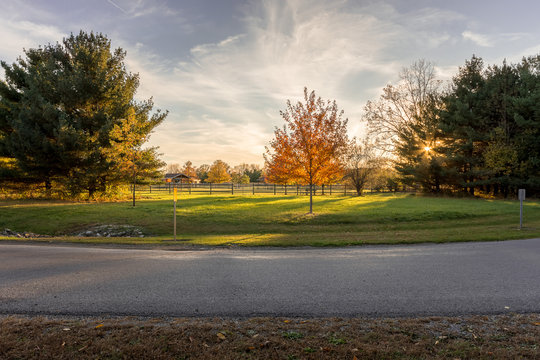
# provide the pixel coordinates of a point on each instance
(479, 134)
(219, 172)
(68, 119)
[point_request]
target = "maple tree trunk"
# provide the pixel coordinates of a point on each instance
(310, 198)
(310, 186)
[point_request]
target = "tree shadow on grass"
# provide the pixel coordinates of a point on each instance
(394, 210)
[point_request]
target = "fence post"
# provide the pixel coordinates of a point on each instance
(330, 189)
(169, 188)
(189, 188)
(345, 189)
(253, 188)
(232, 188)
(150, 186)
(210, 188)
(274, 189)
(322, 189)
(285, 189)
(297, 189)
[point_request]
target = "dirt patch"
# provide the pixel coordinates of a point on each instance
(479, 337)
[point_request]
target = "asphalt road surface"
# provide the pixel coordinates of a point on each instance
(426, 279)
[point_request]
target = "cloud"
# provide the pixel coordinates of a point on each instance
(478, 39)
(143, 8)
(485, 40)
(117, 6)
(225, 96)
(205, 140)
(19, 35)
(245, 79)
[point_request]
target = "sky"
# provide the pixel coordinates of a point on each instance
(225, 68)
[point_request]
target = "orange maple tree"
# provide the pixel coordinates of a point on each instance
(309, 149)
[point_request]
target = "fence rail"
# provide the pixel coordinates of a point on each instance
(248, 189)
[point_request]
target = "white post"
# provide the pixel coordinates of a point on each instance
(521, 196)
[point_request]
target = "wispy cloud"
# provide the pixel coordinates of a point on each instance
(142, 8)
(19, 35)
(117, 6)
(224, 94)
(245, 79)
(478, 39)
(491, 40)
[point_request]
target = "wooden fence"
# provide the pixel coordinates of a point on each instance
(248, 189)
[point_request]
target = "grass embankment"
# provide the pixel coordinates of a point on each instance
(281, 220)
(513, 336)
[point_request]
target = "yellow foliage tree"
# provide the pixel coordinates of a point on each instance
(189, 170)
(218, 172)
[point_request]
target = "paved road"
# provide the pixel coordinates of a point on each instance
(429, 279)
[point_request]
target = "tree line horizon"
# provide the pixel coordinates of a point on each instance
(68, 120)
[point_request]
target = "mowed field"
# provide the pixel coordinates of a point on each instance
(268, 220)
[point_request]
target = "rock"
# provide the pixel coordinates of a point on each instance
(111, 231)
(24, 234)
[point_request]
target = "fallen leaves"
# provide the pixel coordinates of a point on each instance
(292, 335)
(441, 338)
(488, 336)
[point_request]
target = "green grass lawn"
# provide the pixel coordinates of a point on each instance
(281, 220)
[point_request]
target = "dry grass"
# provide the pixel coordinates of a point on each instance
(472, 337)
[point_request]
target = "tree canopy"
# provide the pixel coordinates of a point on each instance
(361, 163)
(189, 170)
(218, 173)
(404, 122)
(309, 148)
(68, 116)
(479, 135)
(490, 126)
